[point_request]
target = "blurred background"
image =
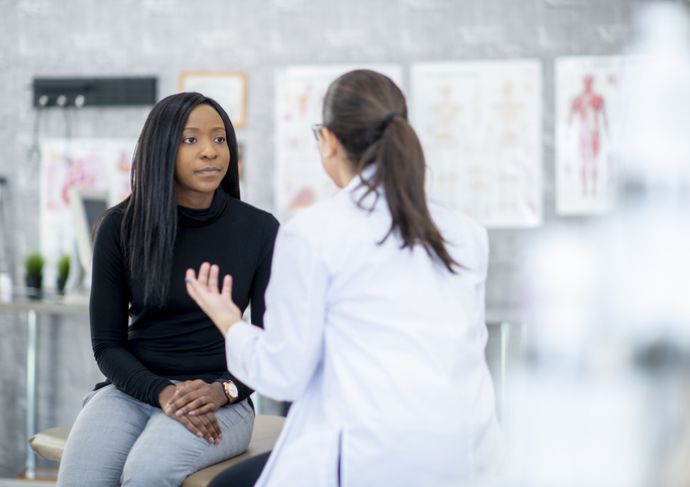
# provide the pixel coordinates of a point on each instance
(561, 125)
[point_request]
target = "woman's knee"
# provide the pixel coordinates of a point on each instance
(100, 439)
(143, 472)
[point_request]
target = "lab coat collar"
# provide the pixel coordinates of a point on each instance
(355, 188)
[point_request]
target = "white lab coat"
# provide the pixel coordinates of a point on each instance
(381, 350)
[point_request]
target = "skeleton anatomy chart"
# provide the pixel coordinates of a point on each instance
(480, 127)
(99, 164)
(300, 180)
(585, 89)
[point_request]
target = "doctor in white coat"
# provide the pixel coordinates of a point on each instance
(374, 323)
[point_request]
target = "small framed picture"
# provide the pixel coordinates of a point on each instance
(229, 88)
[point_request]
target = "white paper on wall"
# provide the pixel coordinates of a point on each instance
(100, 164)
(299, 178)
(585, 127)
(480, 126)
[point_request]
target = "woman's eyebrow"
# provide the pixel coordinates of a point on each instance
(196, 129)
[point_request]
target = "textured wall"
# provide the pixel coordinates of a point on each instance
(164, 37)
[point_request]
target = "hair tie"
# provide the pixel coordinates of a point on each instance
(387, 119)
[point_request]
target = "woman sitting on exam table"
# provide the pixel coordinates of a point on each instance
(185, 206)
(374, 321)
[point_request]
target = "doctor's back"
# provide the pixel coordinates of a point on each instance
(402, 378)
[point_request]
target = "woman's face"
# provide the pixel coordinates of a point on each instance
(203, 157)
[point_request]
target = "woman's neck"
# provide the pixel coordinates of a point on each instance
(197, 201)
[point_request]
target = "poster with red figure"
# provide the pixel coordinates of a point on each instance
(98, 164)
(586, 88)
(299, 178)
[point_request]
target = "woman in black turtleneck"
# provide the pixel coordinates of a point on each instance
(151, 341)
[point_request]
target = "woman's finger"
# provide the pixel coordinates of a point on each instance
(192, 427)
(203, 426)
(206, 408)
(209, 428)
(177, 404)
(219, 433)
(213, 426)
(191, 406)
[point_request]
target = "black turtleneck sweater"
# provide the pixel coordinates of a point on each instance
(177, 341)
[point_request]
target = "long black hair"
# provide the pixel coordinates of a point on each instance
(149, 225)
(367, 113)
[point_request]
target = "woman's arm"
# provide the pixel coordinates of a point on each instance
(257, 292)
(108, 309)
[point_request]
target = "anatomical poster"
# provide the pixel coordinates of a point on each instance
(299, 178)
(480, 128)
(97, 164)
(586, 88)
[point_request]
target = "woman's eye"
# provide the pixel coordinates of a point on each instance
(189, 140)
(220, 139)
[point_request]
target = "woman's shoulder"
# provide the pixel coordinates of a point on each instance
(250, 210)
(110, 221)
(255, 217)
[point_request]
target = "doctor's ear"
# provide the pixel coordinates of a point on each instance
(330, 145)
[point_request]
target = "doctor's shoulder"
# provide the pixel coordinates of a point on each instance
(316, 222)
(468, 240)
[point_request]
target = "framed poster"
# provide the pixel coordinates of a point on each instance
(228, 88)
(585, 128)
(94, 165)
(299, 178)
(480, 124)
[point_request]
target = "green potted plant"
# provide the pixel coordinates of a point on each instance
(33, 265)
(63, 272)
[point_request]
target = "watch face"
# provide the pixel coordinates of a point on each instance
(231, 389)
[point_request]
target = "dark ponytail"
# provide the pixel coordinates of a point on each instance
(367, 112)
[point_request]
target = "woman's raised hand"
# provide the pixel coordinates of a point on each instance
(217, 304)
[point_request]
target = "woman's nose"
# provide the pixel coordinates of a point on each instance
(208, 150)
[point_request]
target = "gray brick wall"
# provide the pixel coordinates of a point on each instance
(164, 37)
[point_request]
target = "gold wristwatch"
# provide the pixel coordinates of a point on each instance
(231, 392)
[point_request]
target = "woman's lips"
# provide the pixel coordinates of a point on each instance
(207, 171)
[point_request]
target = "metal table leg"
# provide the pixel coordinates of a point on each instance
(31, 349)
(505, 337)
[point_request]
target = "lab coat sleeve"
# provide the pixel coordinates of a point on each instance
(279, 360)
(481, 287)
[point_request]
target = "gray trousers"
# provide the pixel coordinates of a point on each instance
(118, 440)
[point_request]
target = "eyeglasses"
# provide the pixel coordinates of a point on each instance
(316, 130)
